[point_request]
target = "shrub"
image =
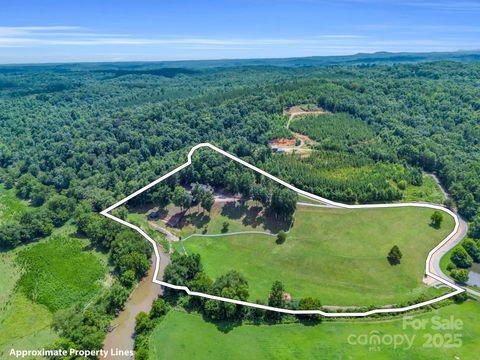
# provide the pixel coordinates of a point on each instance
(225, 226)
(461, 258)
(460, 298)
(128, 278)
(159, 308)
(461, 275)
(394, 255)
(472, 249)
(310, 303)
(451, 266)
(275, 298)
(436, 218)
(474, 230)
(281, 237)
(142, 323)
(116, 298)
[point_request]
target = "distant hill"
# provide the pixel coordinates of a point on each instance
(173, 68)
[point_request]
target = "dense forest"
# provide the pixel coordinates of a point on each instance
(73, 139)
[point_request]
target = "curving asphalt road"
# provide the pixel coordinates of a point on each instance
(462, 231)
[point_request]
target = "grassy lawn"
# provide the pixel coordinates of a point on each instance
(336, 255)
(10, 273)
(328, 340)
(24, 325)
(248, 217)
(10, 206)
(429, 191)
(308, 200)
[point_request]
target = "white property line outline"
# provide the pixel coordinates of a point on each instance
(457, 289)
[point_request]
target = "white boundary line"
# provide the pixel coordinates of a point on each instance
(457, 289)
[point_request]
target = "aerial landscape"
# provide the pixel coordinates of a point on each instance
(194, 180)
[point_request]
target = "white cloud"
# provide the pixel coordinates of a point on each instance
(58, 37)
(78, 36)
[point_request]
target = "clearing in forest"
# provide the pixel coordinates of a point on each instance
(337, 254)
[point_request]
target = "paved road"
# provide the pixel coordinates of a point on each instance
(457, 238)
(434, 265)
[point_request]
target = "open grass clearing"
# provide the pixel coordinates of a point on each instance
(24, 325)
(328, 340)
(63, 270)
(429, 191)
(10, 273)
(11, 207)
(240, 217)
(60, 272)
(336, 255)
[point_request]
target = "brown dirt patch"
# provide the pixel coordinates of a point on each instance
(283, 142)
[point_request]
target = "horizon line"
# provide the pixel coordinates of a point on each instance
(366, 53)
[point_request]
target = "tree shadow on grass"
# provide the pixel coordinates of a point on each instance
(274, 224)
(255, 216)
(234, 210)
(178, 220)
(435, 226)
(198, 219)
(252, 216)
(309, 321)
(225, 326)
(156, 215)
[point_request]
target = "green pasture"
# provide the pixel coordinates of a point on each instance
(188, 336)
(336, 255)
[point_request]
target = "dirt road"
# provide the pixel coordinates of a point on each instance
(168, 234)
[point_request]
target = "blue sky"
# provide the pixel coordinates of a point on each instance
(118, 30)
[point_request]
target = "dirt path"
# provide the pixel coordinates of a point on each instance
(304, 140)
(294, 112)
(446, 195)
(168, 234)
(221, 198)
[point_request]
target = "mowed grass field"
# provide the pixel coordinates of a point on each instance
(240, 217)
(336, 255)
(188, 336)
